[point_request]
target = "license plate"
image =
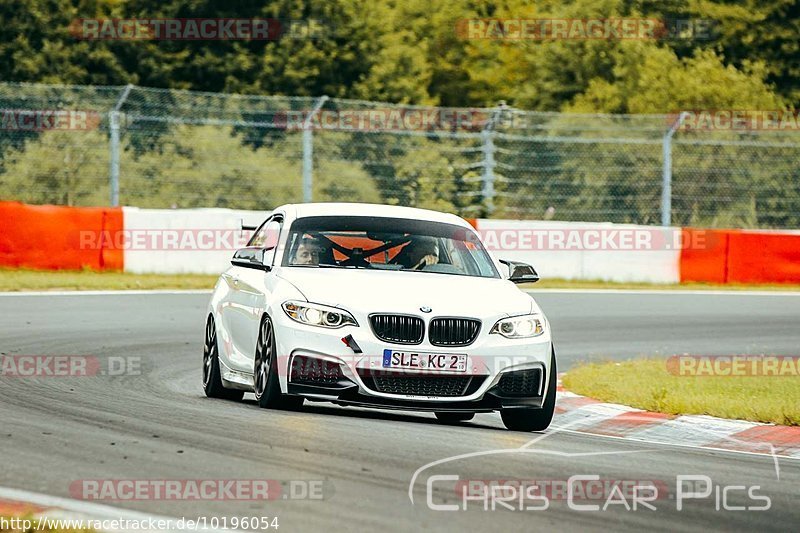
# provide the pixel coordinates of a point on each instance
(425, 361)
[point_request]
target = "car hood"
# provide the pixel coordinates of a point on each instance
(366, 291)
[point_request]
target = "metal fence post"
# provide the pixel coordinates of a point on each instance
(308, 152)
(113, 128)
(488, 150)
(666, 172)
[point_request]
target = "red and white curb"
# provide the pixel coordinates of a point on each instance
(585, 415)
(21, 503)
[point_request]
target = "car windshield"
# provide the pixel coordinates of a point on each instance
(382, 243)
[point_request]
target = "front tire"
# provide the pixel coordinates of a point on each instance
(267, 386)
(212, 377)
(529, 419)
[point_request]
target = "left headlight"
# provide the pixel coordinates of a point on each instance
(519, 327)
(318, 315)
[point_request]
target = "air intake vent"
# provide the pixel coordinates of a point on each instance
(453, 331)
(419, 385)
(312, 371)
(399, 329)
(522, 383)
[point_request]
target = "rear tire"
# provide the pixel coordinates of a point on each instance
(267, 386)
(529, 419)
(451, 418)
(212, 377)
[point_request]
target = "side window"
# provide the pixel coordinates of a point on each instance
(267, 236)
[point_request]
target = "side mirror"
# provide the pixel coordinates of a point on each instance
(253, 257)
(520, 272)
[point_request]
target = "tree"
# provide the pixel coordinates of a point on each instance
(58, 167)
(763, 31)
(650, 79)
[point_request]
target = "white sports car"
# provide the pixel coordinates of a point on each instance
(379, 306)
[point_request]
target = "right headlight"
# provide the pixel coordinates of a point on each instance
(519, 327)
(318, 315)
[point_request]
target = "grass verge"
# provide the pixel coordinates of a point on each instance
(47, 280)
(647, 384)
(38, 280)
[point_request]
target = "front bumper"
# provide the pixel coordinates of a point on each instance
(351, 396)
(489, 359)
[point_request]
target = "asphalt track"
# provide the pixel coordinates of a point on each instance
(158, 425)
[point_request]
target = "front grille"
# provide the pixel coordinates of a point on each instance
(453, 331)
(313, 371)
(422, 385)
(521, 383)
(399, 329)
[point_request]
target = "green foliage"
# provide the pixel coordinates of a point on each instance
(650, 79)
(58, 167)
(764, 31)
(426, 178)
(199, 166)
(192, 166)
(411, 52)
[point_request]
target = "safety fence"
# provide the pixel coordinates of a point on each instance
(158, 148)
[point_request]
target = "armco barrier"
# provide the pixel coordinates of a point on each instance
(742, 256)
(48, 237)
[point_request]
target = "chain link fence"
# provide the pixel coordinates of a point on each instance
(82, 145)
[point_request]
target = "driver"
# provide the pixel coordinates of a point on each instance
(421, 252)
(309, 251)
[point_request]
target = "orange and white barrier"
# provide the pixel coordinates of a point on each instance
(202, 241)
(178, 241)
(587, 250)
(742, 256)
(48, 237)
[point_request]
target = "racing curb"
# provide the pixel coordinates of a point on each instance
(586, 415)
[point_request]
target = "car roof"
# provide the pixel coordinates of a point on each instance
(369, 210)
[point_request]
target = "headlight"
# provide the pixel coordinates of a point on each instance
(519, 327)
(318, 315)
